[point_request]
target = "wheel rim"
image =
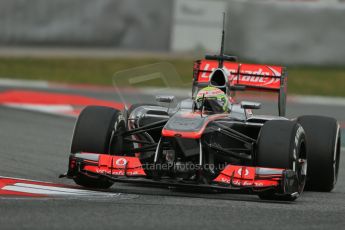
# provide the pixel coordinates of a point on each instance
(336, 158)
(301, 167)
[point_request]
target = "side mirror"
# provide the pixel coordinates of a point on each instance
(250, 105)
(165, 99)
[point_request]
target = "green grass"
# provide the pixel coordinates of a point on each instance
(302, 80)
(317, 81)
(79, 70)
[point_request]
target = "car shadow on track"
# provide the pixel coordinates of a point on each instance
(190, 193)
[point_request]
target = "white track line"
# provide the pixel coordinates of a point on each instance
(63, 110)
(41, 107)
(24, 83)
(53, 190)
(40, 191)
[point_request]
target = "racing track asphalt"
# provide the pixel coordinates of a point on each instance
(35, 146)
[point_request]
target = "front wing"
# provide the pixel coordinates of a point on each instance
(231, 178)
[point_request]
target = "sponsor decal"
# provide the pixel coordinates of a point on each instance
(115, 165)
(128, 173)
(121, 162)
(236, 182)
(239, 171)
(249, 74)
(204, 74)
(224, 179)
(275, 72)
(245, 176)
(258, 184)
(264, 81)
(247, 183)
(119, 172)
(102, 171)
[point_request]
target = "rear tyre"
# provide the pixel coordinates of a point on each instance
(323, 136)
(95, 132)
(281, 144)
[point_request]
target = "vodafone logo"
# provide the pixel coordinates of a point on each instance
(121, 162)
(246, 173)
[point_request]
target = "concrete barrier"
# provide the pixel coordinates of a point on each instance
(285, 32)
(124, 24)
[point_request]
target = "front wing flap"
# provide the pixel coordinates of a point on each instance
(232, 177)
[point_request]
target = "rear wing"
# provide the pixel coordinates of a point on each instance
(255, 77)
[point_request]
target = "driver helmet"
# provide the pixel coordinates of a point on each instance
(212, 99)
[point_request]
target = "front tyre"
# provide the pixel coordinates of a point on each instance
(323, 136)
(282, 144)
(95, 128)
(96, 131)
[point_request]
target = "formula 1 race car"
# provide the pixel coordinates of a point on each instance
(209, 141)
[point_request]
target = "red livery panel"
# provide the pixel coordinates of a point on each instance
(116, 165)
(251, 75)
(249, 176)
